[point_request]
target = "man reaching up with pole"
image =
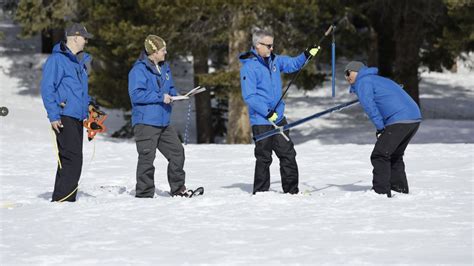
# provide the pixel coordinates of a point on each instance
(262, 92)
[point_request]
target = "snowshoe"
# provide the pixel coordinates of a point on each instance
(189, 193)
(197, 192)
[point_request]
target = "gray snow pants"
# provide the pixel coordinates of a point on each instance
(165, 139)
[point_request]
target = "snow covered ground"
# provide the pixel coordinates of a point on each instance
(335, 220)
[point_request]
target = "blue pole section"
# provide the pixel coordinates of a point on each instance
(333, 68)
(301, 121)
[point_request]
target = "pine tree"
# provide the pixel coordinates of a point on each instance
(291, 22)
(187, 26)
(49, 18)
(453, 36)
(407, 33)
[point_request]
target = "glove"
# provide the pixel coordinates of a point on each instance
(94, 110)
(272, 117)
(379, 133)
(93, 103)
(312, 51)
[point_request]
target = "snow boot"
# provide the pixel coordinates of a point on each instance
(399, 189)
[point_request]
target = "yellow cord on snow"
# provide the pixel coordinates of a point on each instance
(65, 198)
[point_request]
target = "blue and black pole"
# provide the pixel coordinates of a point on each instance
(333, 57)
(318, 45)
(331, 29)
(280, 130)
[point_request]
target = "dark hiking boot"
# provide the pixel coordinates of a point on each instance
(143, 197)
(293, 191)
(399, 189)
(389, 193)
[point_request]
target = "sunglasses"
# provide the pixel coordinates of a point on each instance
(347, 73)
(269, 46)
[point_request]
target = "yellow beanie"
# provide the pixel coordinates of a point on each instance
(153, 43)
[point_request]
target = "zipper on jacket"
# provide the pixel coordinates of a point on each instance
(272, 84)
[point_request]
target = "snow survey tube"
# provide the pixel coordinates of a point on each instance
(278, 130)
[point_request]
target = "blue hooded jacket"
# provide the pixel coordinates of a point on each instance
(65, 82)
(384, 101)
(261, 83)
(146, 87)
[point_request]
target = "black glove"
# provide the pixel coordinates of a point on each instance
(379, 132)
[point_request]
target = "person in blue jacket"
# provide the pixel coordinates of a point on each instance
(396, 118)
(64, 89)
(261, 90)
(151, 87)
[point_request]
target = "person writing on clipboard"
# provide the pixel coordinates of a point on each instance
(151, 89)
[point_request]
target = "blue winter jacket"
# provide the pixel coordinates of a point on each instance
(261, 83)
(146, 87)
(65, 82)
(384, 101)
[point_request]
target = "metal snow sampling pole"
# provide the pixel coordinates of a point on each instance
(280, 130)
(333, 61)
(330, 30)
(333, 52)
(318, 47)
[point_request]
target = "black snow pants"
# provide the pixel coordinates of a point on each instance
(284, 150)
(69, 142)
(387, 158)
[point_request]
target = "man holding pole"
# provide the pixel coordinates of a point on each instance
(262, 90)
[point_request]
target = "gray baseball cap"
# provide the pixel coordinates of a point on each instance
(78, 29)
(354, 66)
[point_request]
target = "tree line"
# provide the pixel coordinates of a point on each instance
(396, 36)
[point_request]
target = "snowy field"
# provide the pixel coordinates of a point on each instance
(335, 220)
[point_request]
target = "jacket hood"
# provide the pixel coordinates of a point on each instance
(363, 72)
(246, 56)
(61, 48)
(143, 59)
(252, 55)
(366, 71)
